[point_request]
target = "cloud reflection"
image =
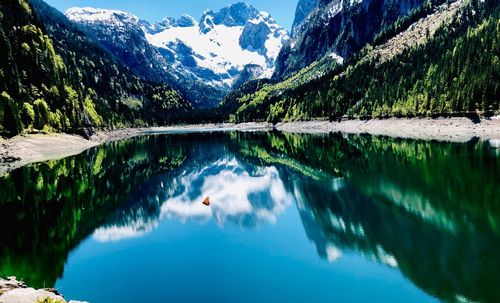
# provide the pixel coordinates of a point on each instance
(235, 195)
(244, 196)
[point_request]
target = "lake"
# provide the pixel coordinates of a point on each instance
(293, 218)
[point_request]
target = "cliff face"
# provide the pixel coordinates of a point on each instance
(338, 27)
(304, 8)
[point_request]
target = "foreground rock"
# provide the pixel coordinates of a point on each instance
(13, 291)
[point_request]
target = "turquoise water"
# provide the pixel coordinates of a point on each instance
(293, 218)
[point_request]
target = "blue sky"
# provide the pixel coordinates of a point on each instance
(154, 10)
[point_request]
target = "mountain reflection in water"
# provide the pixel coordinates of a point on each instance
(237, 195)
(429, 209)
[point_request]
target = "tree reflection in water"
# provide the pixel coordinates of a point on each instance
(429, 209)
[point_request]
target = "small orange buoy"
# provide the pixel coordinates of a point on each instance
(206, 201)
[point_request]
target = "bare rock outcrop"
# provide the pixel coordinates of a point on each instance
(14, 291)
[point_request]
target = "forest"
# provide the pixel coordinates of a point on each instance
(455, 73)
(55, 79)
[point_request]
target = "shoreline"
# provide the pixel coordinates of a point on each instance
(32, 148)
(458, 130)
(22, 150)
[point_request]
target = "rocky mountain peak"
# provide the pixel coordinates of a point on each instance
(183, 21)
(213, 52)
(102, 16)
(217, 48)
(236, 14)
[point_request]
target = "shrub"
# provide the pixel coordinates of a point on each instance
(27, 115)
(42, 114)
(90, 111)
(9, 115)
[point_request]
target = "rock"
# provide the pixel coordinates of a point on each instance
(9, 159)
(28, 295)
(10, 283)
(185, 21)
(13, 291)
(53, 290)
(236, 14)
(304, 8)
(250, 71)
(342, 27)
(254, 37)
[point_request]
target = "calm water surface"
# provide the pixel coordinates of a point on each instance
(294, 218)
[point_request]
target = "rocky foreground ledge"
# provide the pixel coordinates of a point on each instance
(13, 291)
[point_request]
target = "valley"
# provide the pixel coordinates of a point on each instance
(238, 65)
(133, 75)
(269, 151)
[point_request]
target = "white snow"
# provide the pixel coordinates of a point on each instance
(223, 41)
(91, 15)
(334, 9)
(339, 59)
(352, 2)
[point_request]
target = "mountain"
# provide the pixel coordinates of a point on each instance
(121, 34)
(336, 27)
(439, 60)
(304, 8)
(213, 52)
(223, 48)
(218, 47)
(55, 78)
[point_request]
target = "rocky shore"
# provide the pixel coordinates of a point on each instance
(13, 291)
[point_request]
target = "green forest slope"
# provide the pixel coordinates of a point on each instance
(454, 71)
(60, 80)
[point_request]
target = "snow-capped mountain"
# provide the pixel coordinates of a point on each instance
(122, 35)
(204, 58)
(218, 47)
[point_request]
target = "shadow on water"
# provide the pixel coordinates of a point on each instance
(429, 209)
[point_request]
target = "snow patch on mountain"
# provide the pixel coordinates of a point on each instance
(103, 16)
(218, 48)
